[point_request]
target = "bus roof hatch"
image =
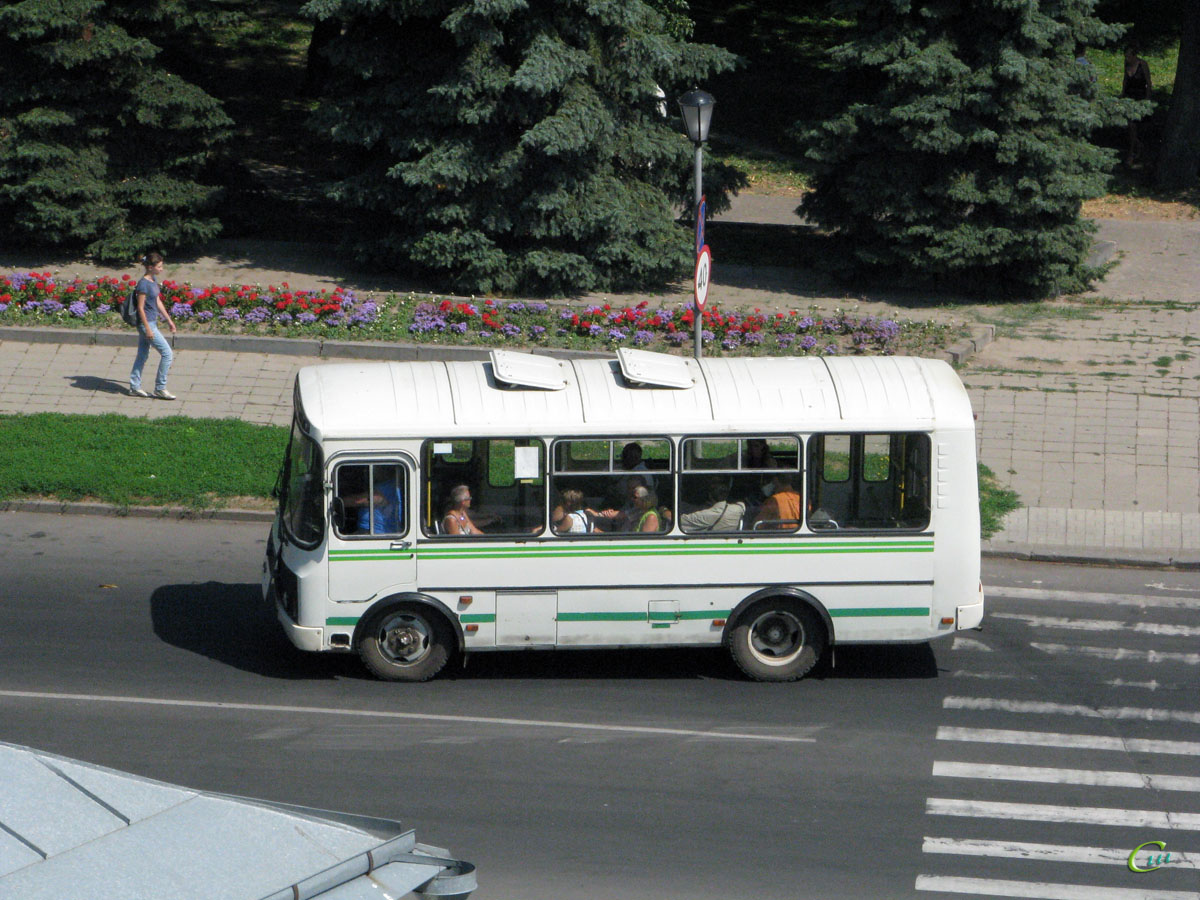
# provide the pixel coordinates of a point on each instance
(528, 370)
(654, 369)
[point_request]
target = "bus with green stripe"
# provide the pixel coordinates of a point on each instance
(775, 507)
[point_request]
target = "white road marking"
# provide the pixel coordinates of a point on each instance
(996, 676)
(1155, 628)
(1098, 597)
(1081, 815)
(1046, 852)
(1066, 776)
(1152, 684)
(1119, 654)
(419, 717)
(1072, 741)
(1158, 585)
(1073, 709)
(963, 643)
(1042, 890)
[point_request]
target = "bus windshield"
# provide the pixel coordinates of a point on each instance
(301, 507)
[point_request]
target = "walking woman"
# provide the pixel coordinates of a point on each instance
(1135, 85)
(149, 306)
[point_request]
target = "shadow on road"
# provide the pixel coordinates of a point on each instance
(99, 385)
(230, 624)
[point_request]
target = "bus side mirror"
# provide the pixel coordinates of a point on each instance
(337, 514)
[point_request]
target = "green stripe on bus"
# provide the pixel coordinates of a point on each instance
(481, 618)
(852, 612)
(342, 620)
(603, 553)
(601, 617)
(660, 625)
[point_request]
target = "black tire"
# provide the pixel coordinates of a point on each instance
(777, 639)
(406, 643)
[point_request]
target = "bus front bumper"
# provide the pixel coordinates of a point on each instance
(305, 638)
(969, 616)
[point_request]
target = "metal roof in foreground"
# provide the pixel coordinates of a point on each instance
(72, 829)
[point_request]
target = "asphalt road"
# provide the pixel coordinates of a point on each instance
(986, 764)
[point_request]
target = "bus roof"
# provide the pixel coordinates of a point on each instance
(595, 396)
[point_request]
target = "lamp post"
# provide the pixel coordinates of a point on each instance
(697, 108)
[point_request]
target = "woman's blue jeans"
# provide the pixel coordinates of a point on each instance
(143, 353)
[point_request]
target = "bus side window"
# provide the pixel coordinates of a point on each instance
(369, 500)
(868, 481)
(502, 477)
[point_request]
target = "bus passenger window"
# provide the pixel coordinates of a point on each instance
(483, 486)
(739, 484)
(868, 481)
(612, 486)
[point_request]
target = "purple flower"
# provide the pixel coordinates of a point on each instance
(181, 311)
(3, 307)
(230, 314)
(511, 330)
(677, 337)
(804, 324)
(706, 335)
(539, 308)
(283, 318)
(459, 327)
(616, 334)
(516, 307)
(305, 318)
(102, 308)
(643, 337)
(785, 341)
(78, 309)
(205, 315)
(258, 314)
(51, 306)
(830, 349)
(485, 334)
(537, 330)
(595, 330)
(807, 342)
(754, 337)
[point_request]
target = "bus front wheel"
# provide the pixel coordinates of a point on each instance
(777, 639)
(405, 644)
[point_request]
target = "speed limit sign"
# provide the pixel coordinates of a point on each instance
(703, 274)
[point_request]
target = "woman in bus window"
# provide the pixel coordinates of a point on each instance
(457, 519)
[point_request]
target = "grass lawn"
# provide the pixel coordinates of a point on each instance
(195, 463)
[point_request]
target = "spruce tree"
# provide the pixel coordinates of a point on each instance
(101, 145)
(514, 145)
(966, 157)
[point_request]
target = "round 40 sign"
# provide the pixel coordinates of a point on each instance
(703, 274)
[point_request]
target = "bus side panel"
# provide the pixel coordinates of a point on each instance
(956, 522)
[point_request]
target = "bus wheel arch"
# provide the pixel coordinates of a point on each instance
(408, 637)
(778, 634)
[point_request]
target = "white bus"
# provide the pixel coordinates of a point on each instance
(776, 506)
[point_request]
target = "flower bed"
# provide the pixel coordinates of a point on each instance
(37, 294)
(30, 298)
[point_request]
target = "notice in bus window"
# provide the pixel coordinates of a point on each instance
(526, 462)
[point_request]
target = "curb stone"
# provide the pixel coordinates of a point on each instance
(141, 512)
(1076, 558)
(955, 354)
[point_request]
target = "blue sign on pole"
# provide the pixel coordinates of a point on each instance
(701, 212)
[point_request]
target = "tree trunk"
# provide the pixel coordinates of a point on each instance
(1179, 159)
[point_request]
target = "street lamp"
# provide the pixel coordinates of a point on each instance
(697, 108)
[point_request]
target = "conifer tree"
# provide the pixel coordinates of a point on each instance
(100, 144)
(515, 144)
(966, 159)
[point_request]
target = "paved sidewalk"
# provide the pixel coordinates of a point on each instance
(1095, 421)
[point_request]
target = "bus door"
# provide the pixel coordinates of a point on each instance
(370, 533)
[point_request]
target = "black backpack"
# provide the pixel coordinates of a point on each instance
(129, 310)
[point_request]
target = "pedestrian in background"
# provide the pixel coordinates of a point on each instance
(1135, 86)
(149, 306)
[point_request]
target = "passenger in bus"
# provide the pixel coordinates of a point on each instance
(720, 513)
(758, 455)
(631, 461)
(781, 509)
(383, 516)
(641, 515)
(574, 519)
(457, 520)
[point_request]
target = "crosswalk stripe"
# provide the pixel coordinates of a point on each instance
(1072, 741)
(1081, 815)
(1073, 709)
(1041, 890)
(965, 643)
(1098, 597)
(1046, 852)
(1120, 654)
(1155, 628)
(1045, 775)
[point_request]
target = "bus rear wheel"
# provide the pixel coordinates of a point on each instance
(405, 644)
(777, 640)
